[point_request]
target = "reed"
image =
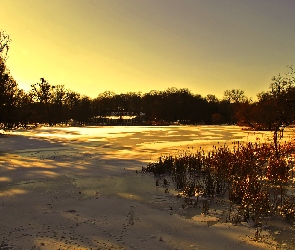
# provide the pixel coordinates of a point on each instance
(254, 177)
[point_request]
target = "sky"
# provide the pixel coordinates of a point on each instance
(206, 46)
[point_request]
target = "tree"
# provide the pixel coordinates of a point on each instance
(8, 86)
(24, 105)
(4, 44)
(8, 92)
(244, 113)
(84, 111)
(152, 105)
(214, 117)
(231, 102)
(106, 103)
(42, 93)
(72, 100)
(277, 106)
(234, 95)
(58, 103)
(135, 103)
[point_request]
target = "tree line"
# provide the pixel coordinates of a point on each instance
(54, 104)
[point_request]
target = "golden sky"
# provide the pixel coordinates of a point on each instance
(207, 46)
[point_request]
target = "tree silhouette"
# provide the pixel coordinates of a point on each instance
(4, 44)
(277, 106)
(42, 93)
(8, 86)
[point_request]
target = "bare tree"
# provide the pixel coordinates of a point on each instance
(42, 93)
(278, 104)
(234, 95)
(4, 44)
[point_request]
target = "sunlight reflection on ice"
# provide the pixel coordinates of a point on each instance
(12, 192)
(140, 139)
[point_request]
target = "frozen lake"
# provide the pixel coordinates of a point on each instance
(137, 141)
(119, 147)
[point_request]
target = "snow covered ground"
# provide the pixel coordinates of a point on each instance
(81, 188)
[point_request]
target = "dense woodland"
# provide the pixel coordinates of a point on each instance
(55, 104)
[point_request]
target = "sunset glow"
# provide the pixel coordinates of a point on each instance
(122, 46)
